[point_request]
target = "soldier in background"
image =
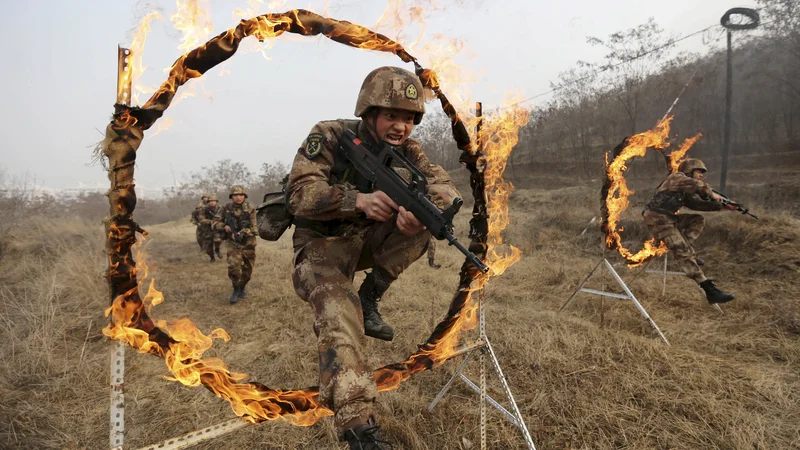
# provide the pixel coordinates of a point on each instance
(342, 226)
(238, 219)
(432, 253)
(207, 231)
(198, 210)
(685, 188)
(217, 236)
(204, 198)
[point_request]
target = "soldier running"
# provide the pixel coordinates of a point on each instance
(238, 219)
(208, 234)
(198, 232)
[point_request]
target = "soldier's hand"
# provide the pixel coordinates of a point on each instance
(730, 207)
(377, 205)
(407, 223)
(228, 229)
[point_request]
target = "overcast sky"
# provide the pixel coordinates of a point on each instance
(59, 75)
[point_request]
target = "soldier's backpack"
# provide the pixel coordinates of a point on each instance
(272, 215)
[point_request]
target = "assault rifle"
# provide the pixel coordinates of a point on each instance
(739, 207)
(410, 195)
(229, 221)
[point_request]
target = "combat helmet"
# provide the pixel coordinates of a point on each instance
(213, 197)
(690, 165)
(237, 189)
(391, 87)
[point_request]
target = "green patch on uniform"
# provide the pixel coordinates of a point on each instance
(314, 143)
(411, 92)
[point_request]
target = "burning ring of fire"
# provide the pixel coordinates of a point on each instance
(179, 342)
(616, 192)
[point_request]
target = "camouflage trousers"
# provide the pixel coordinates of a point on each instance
(210, 238)
(679, 233)
(198, 234)
(431, 251)
(324, 268)
(241, 259)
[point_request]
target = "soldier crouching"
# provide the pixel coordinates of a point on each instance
(238, 220)
(343, 226)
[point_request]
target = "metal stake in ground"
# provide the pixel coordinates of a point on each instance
(117, 409)
(483, 346)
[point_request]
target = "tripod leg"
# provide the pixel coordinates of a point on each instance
(521, 423)
(449, 383)
(580, 286)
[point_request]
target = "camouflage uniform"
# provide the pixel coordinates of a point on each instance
(209, 236)
(679, 231)
(241, 255)
(333, 240)
(196, 221)
(432, 254)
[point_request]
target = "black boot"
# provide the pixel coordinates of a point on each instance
(366, 437)
(434, 265)
(370, 293)
(242, 293)
(714, 295)
(235, 296)
(219, 253)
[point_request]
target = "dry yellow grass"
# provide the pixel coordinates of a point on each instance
(728, 381)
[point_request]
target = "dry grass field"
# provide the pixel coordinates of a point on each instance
(592, 377)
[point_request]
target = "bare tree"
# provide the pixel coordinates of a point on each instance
(633, 55)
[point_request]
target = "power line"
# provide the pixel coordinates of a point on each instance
(611, 66)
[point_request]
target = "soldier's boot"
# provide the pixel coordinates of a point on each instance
(366, 437)
(212, 258)
(699, 261)
(714, 295)
(219, 253)
(235, 296)
(433, 264)
(242, 293)
(370, 293)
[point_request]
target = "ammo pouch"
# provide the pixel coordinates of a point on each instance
(272, 216)
(666, 202)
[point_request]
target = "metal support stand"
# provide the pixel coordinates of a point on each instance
(484, 347)
(117, 411)
(627, 296)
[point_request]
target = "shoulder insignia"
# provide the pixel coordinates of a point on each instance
(314, 143)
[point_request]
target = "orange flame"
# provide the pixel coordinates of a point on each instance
(184, 358)
(183, 355)
(617, 198)
(137, 51)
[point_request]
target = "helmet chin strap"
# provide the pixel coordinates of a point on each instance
(373, 127)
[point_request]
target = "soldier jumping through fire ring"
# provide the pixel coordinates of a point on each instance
(685, 188)
(344, 226)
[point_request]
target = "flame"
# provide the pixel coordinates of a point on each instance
(137, 51)
(185, 362)
(193, 20)
(163, 125)
(677, 156)
(617, 198)
(183, 353)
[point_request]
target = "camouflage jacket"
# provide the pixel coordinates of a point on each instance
(322, 185)
(244, 218)
(209, 213)
(195, 218)
(679, 190)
